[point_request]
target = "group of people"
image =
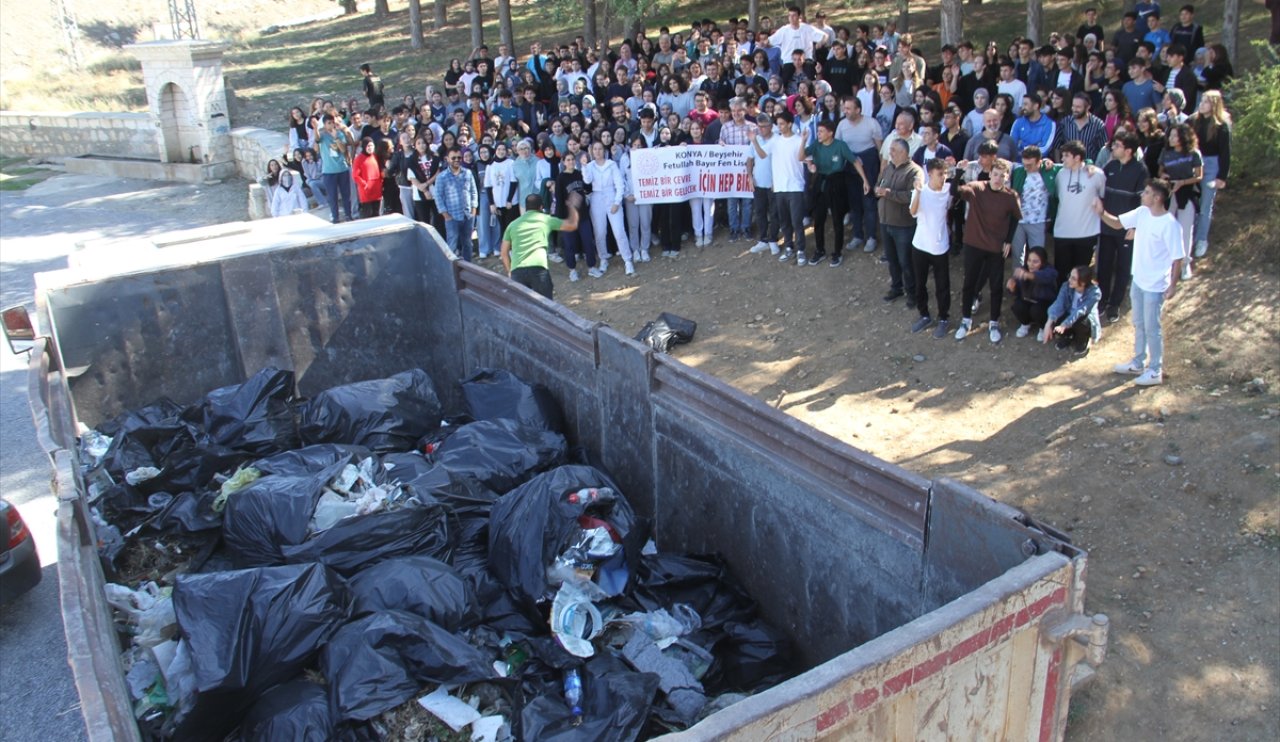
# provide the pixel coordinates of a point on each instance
(1087, 147)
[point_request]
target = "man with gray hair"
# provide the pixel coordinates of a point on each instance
(736, 133)
(898, 181)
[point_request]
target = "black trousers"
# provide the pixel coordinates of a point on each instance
(981, 264)
(1069, 253)
(1078, 334)
(829, 197)
(667, 223)
(1115, 270)
(1034, 313)
(538, 279)
(921, 263)
(370, 209)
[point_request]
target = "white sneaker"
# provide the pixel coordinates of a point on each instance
(786, 255)
(773, 248)
(631, 268)
(801, 259)
(573, 275)
(1040, 335)
(706, 240)
(644, 256)
(1149, 378)
(993, 332)
(758, 248)
(1128, 368)
(595, 273)
(1023, 331)
(854, 244)
(965, 326)
(555, 258)
(870, 246)
(604, 266)
(1202, 247)
(1186, 270)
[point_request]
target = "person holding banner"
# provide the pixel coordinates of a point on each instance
(785, 152)
(607, 189)
(639, 216)
(827, 159)
(703, 208)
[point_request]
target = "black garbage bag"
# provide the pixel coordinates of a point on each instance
(272, 513)
(750, 657)
(493, 394)
(419, 585)
(187, 513)
(255, 417)
(186, 458)
(126, 508)
(615, 704)
(533, 524)
(499, 454)
(383, 414)
(382, 660)
(667, 330)
(250, 629)
(162, 410)
(361, 541)
(470, 553)
(702, 582)
(297, 711)
(311, 459)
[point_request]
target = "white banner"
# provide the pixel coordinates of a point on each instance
(676, 174)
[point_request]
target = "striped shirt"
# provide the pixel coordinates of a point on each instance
(1093, 134)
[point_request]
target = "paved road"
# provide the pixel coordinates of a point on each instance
(38, 229)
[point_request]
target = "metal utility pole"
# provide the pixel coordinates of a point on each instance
(70, 28)
(182, 14)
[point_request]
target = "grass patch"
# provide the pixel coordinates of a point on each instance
(17, 174)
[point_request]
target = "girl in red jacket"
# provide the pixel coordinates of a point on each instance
(367, 172)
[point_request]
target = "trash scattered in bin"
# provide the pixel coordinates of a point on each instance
(360, 566)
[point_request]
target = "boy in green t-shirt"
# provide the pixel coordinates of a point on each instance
(524, 243)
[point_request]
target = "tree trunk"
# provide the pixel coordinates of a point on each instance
(904, 17)
(381, 9)
(589, 23)
(415, 24)
(504, 25)
(1035, 20)
(1231, 29)
(348, 6)
(442, 14)
(753, 15)
(477, 25)
(952, 21)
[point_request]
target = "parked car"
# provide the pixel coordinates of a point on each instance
(19, 562)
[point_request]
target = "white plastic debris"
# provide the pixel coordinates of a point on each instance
(452, 711)
(330, 509)
(487, 729)
(575, 620)
(141, 474)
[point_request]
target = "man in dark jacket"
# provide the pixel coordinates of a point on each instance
(1179, 76)
(1126, 179)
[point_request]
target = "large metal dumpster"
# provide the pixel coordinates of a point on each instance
(922, 609)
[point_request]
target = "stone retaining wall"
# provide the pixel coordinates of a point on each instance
(29, 134)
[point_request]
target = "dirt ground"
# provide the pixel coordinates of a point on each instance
(1175, 490)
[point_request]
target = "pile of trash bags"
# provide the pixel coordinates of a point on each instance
(317, 564)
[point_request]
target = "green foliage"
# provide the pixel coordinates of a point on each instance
(1255, 112)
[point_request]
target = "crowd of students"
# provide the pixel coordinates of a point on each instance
(997, 154)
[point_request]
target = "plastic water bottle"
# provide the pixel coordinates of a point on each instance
(573, 694)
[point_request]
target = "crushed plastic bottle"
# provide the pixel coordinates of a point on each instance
(573, 694)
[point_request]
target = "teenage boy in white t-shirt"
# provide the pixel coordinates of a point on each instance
(929, 245)
(1157, 262)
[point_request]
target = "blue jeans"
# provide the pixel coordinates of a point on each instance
(1207, 195)
(337, 187)
(865, 219)
(897, 246)
(457, 234)
(1148, 334)
(739, 215)
(487, 229)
